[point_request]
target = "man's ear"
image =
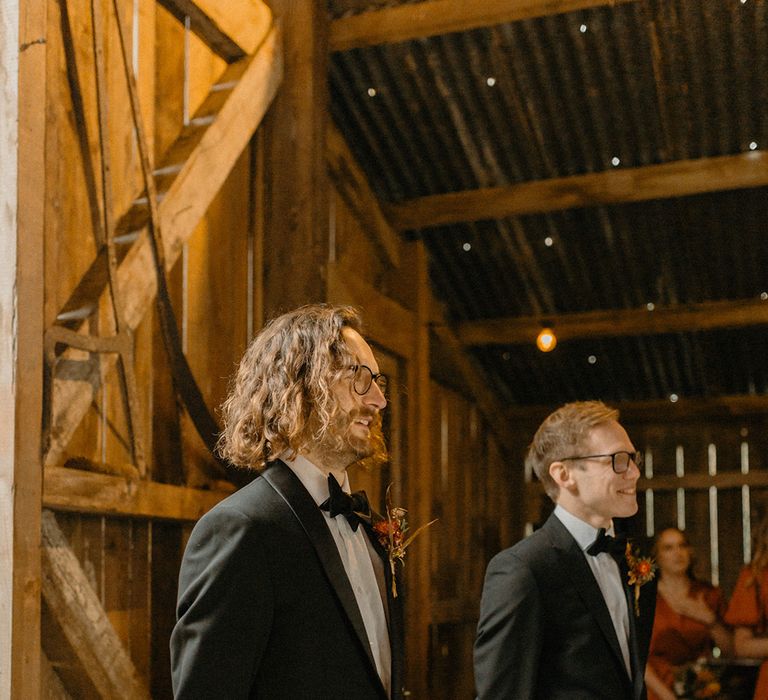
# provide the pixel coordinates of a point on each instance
(560, 474)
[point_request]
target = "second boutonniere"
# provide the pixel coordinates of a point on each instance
(392, 532)
(641, 571)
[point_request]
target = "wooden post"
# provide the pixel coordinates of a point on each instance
(22, 129)
(419, 494)
(296, 195)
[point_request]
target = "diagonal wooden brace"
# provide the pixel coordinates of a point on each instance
(206, 157)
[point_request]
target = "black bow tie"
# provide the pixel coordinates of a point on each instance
(353, 506)
(615, 546)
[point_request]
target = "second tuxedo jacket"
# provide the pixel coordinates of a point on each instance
(545, 631)
(265, 607)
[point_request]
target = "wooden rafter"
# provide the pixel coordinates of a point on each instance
(233, 29)
(666, 181)
(82, 624)
(352, 184)
(412, 21)
(387, 323)
(88, 492)
(192, 172)
(679, 318)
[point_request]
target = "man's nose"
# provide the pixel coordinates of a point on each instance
(375, 397)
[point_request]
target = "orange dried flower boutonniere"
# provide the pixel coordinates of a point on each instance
(392, 531)
(641, 571)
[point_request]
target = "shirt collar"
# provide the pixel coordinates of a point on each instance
(312, 478)
(582, 532)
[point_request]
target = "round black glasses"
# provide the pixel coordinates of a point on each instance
(619, 460)
(365, 376)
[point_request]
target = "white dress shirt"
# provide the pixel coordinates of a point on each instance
(354, 552)
(607, 574)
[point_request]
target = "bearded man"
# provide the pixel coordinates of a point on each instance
(283, 589)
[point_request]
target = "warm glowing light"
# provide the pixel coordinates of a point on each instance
(546, 340)
(371, 92)
(490, 82)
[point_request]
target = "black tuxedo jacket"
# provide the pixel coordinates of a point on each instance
(265, 607)
(545, 631)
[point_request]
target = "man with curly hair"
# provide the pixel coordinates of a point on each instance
(558, 618)
(283, 591)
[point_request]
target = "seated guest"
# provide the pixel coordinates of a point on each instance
(749, 606)
(688, 616)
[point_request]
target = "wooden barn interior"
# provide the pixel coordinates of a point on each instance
(177, 172)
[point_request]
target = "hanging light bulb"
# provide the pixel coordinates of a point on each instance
(546, 340)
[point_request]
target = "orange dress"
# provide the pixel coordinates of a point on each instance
(749, 608)
(678, 640)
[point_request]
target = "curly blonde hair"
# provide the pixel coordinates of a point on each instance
(280, 399)
(560, 434)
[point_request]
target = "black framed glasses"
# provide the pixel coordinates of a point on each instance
(619, 460)
(365, 376)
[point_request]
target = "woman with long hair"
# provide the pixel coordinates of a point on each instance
(748, 606)
(688, 621)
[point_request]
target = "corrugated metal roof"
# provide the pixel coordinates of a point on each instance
(597, 90)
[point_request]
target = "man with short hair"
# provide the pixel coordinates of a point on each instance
(284, 592)
(558, 616)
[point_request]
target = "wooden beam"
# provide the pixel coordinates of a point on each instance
(387, 323)
(721, 480)
(296, 202)
(203, 171)
(487, 402)
(51, 687)
(232, 28)
(403, 22)
(660, 410)
(419, 487)
(679, 318)
(669, 180)
(88, 492)
(724, 480)
(81, 620)
(23, 51)
(352, 184)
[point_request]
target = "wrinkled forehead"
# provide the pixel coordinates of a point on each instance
(359, 349)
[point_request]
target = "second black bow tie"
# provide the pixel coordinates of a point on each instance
(615, 546)
(353, 506)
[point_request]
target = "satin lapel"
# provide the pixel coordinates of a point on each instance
(634, 652)
(288, 486)
(394, 617)
(642, 630)
(575, 565)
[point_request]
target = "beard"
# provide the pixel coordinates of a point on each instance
(342, 447)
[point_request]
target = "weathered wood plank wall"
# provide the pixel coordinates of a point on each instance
(22, 126)
(274, 236)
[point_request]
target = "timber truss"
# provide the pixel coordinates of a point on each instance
(134, 251)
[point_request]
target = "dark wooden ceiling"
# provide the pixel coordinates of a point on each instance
(603, 170)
